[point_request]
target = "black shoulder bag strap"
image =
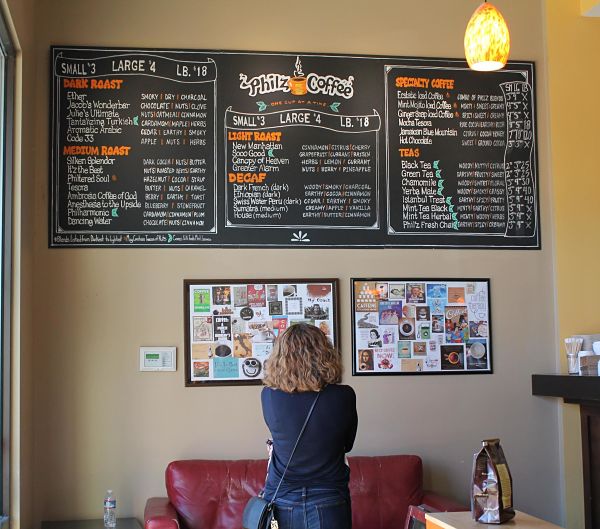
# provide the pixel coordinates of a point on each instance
(294, 449)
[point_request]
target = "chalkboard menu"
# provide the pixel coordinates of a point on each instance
(211, 148)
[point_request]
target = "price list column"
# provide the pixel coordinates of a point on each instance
(518, 163)
(133, 153)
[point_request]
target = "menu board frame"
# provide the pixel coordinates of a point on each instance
(293, 290)
(454, 338)
(320, 233)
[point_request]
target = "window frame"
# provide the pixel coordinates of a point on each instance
(7, 112)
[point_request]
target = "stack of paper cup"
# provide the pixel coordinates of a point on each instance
(596, 348)
(588, 340)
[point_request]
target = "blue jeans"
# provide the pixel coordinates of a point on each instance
(313, 508)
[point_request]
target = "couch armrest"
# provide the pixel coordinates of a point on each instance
(160, 514)
(441, 503)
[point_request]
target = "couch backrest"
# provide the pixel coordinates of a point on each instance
(382, 488)
(211, 494)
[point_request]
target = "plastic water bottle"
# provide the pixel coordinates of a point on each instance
(110, 508)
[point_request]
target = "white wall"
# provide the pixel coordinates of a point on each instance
(99, 423)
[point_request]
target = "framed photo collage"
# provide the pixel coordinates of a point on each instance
(230, 325)
(399, 326)
(421, 326)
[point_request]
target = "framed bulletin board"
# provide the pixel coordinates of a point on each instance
(408, 326)
(230, 325)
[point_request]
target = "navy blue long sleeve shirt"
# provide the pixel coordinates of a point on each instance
(330, 432)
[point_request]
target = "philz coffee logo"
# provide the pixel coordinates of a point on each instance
(299, 84)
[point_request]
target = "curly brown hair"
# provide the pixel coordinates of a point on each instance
(303, 359)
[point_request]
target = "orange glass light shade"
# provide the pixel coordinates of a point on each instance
(487, 41)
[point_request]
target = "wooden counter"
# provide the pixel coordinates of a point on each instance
(464, 520)
(572, 388)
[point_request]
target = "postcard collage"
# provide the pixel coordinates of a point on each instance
(232, 326)
(421, 326)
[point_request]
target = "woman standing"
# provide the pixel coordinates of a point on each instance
(314, 493)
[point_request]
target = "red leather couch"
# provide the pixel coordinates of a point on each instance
(207, 494)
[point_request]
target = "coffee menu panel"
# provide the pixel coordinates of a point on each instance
(337, 182)
(133, 151)
(202, 148)
(465, 144)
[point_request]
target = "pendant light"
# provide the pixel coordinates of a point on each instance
(487, 41)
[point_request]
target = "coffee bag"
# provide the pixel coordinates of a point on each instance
(491, 489)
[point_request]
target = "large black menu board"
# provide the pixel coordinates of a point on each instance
(212, 148)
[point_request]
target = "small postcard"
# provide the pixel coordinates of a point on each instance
(457, 325)
(201, 369)
(221, 295)
(257, 296)
(365, 360)
(366, 296)
(240, 296)
(203, 329)
(415, 293)
(201, 300)
(390, 312)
